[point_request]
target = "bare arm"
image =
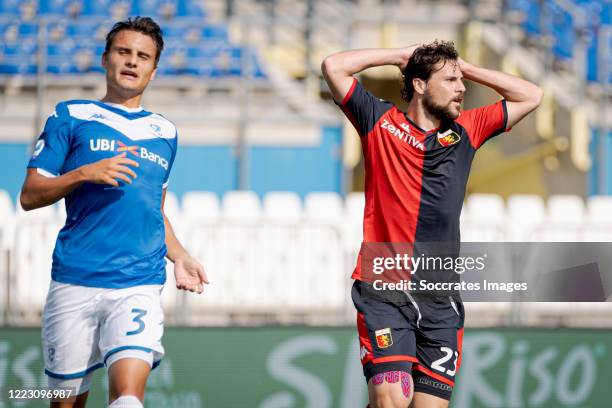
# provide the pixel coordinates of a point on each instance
(40, 191)
(339, 68)
(188, 272)
(521, 96)
(174, 248)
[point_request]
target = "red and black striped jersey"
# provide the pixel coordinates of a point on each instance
(415, 179)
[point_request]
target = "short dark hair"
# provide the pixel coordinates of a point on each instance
(423, 61)
(144, 25)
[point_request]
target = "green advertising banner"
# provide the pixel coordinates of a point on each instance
(320, 368)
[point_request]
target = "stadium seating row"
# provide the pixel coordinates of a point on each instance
(164, 9)
(82, 57)
(15, 32)
(331, 208)
(281, 253)
(75, 45)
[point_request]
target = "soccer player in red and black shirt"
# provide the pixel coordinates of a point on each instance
(417, 165)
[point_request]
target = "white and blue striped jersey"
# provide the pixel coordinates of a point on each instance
(113, 236)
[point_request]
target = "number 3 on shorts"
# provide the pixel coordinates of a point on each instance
(138, 319)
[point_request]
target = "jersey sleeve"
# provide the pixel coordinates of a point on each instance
(362, 108)
(485, 122)
(53, 144)
(171, 162)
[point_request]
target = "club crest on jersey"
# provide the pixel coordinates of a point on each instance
(448, 138)
(156, 129)
(383, 338)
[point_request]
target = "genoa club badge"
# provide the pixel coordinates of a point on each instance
(383, 338)
(448, 138)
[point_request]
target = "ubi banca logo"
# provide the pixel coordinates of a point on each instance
(109, 145)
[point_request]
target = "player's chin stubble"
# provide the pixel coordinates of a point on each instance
(441, 112)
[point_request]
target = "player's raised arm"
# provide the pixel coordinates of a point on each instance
(339, 68)
(40, 190)
(521, 95)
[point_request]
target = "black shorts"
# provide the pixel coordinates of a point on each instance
(421, 336)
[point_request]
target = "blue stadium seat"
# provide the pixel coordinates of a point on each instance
(595, 10)
(60, 7)
(144, 8)
(57, 31)
(78, 28)
(17, 66)
(606, 15)
(548, 17)
(24, 48)
(19, 58)
(215, 32)
(173, 59)
(561, 25)
(85, 60)
(61, 49)
(18, 31)
(101, 28)
(9, 33)
(59, 60)
(105, 8)
(194, 32)
(172, 30)
(198, 67)
(531, 15)
(89, 29)
(189, 8)
(28, 29)
(594, 74)
(9, 7)
(157, 9)
(18, 9)
(202, 51)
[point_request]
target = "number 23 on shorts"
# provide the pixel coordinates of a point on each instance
(448, 354)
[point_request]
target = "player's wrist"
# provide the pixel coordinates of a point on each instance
(402, 57)
(183, 257)
(82, 174)
(180, 255)
(466, 68)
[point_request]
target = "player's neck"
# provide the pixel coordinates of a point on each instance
(419, 115)
(131, 103)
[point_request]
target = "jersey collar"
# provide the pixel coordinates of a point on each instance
(417, 127)
(123, 108)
